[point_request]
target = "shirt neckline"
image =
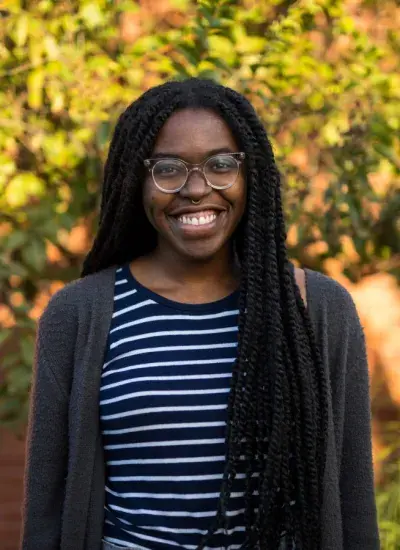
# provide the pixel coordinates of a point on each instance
(228, 302)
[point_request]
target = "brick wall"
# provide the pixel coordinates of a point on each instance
(12, 453)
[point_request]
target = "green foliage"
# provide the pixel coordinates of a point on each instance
(388, 503)
(326, 89)
(316, 78)
(388, 493)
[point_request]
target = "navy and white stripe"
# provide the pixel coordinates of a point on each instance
(163, 406)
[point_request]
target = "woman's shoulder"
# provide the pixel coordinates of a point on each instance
(78, 295)
(331, 306)
(324, 292)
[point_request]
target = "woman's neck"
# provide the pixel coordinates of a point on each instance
(186, 280)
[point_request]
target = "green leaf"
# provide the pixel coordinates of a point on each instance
(103, 134)
(7, 166)
(19, 380)
(16, 239)
(22, 28)
(92, 15)
(190, 53)
(331, 133)
(51, 47)
(4, 334)
(316, 101)
(35, 83)
(27, 350)
(218, 63)
(347, 25)
(34, 255)
(251, 45)
(21, 187)
(16, 268)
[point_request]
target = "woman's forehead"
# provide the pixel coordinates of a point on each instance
(194, 130)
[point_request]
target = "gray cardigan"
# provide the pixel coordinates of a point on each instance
(65, 476)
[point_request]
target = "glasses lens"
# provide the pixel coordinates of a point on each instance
(169, 174)
(221, 170)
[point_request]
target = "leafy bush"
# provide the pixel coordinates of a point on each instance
(326, 88)
(388, 503)
(388, 492)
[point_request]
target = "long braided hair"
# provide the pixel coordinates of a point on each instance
(277, 409)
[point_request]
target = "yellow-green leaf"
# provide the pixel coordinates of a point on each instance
(92, 15)
(316, 101)
(35, 88)
(22, 187)
(21, 31)
(51, 47)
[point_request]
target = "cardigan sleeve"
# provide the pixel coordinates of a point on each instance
(47, 441)
(360, 531)
(342, 345)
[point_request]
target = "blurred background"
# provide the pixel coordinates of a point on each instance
(324, 77)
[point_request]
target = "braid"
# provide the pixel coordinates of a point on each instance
(278, 401)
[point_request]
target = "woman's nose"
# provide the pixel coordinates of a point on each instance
(196, 186)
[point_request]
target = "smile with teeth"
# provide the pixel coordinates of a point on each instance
(198, 218)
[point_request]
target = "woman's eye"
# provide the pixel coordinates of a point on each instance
(167, 169)
(221, 165)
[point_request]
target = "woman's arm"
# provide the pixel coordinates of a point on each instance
(47, 443)
(341, 338)
(360, 531)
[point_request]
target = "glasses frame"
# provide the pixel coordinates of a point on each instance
(151, 163)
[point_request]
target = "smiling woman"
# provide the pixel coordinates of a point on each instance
(198, 178)
(193, 390)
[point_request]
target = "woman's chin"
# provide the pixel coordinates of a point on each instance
(201, 250)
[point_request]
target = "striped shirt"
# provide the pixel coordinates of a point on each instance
(163, 406)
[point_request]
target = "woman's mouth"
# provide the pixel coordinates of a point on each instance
(200, 224)
(199, 218)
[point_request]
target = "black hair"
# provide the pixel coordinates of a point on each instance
(278, 405)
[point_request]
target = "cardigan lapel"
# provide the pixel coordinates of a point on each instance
(96, 311)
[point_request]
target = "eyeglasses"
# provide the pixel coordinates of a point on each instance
(171, 174)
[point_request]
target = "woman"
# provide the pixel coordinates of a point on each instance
(192, 389)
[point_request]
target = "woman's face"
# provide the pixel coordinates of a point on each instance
(197, 231)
